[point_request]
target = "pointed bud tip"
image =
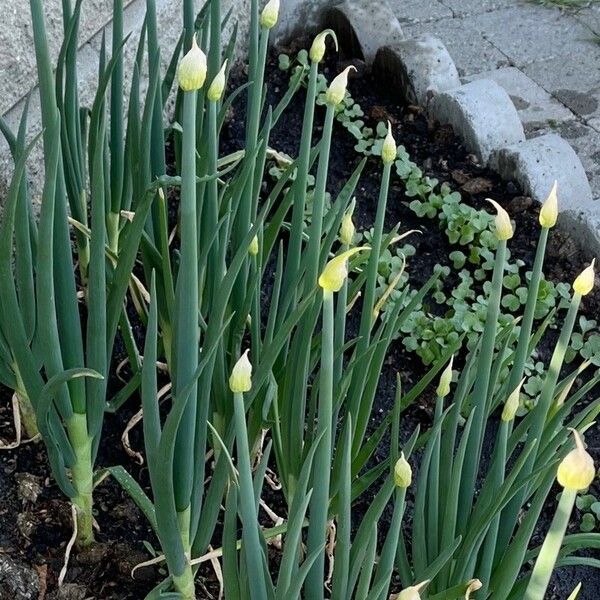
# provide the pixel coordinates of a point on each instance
(504, 228)
(549, 210)
(240, 380)
(337, 89)
(191, 72)
(317, 50)
(402, 472)
(347, 228)
(443, 388)
(270, 14)
(389, 151)
(217, 87)
(336, 270)
(577, 470)
(512, 403)
(584, 283)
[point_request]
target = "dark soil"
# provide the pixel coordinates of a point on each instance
(34, 531)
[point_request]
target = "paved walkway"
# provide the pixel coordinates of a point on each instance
(545, 58)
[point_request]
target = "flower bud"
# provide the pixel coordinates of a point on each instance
(337, 89)
(389, 150)
(402, 472)
(336, 270)
(270, 14)
(215, 91)
(584, 283)
(240, 379)
(253, 248)
(317, 50)
(512, 403)
(443, 388)
(472, 586)
(504, 228)
(549, 211)
(191, 73)
(412, 593)
(347, 229)
(576, 471)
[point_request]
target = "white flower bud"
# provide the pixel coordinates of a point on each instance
(337, 89)
(191, 73)
(402, 472)
(389, 150)
(240, 379)
(549, 211)
(584, 283)
(215, 91)
(317, 50)
(504, 228)
(270, 14)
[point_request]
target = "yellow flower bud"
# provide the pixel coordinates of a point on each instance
(389, 150)
(443, 388)
(512, 403)
(504, 228)
(270, 14)
(584, 283)
(317, 50)
(336, 270)
(337, 89)
(253, 248)
(240, 379)
(347, 229)
(473, 586)
(402, 472)
(549, 211)
(413, 592)
(577, 470)
(191, 73)
(215, 91)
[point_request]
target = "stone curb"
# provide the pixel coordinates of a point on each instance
(363, 26)
(534, 164)
(420, 68)
(484, 116)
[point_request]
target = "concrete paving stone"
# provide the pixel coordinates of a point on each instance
(363, 27)
(482, 115)
(417, 68)
(470, 52)
(576, 83)
(461, 8)
(536, 107)
(538, 162)
(417, 11)
(531, 33)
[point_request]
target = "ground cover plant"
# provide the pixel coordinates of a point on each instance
(266, 325)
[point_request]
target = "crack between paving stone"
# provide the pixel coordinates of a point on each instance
(454, 15)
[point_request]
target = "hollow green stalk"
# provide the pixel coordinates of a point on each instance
(544, 565)
(480, 390)
(252, 547)
(82, 474)
(187, 333)
(295, 242)
(319, 505)
(489, 550)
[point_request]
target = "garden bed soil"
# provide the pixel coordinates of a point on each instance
(35, 520)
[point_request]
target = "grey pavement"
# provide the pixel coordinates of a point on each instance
(544, 57)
